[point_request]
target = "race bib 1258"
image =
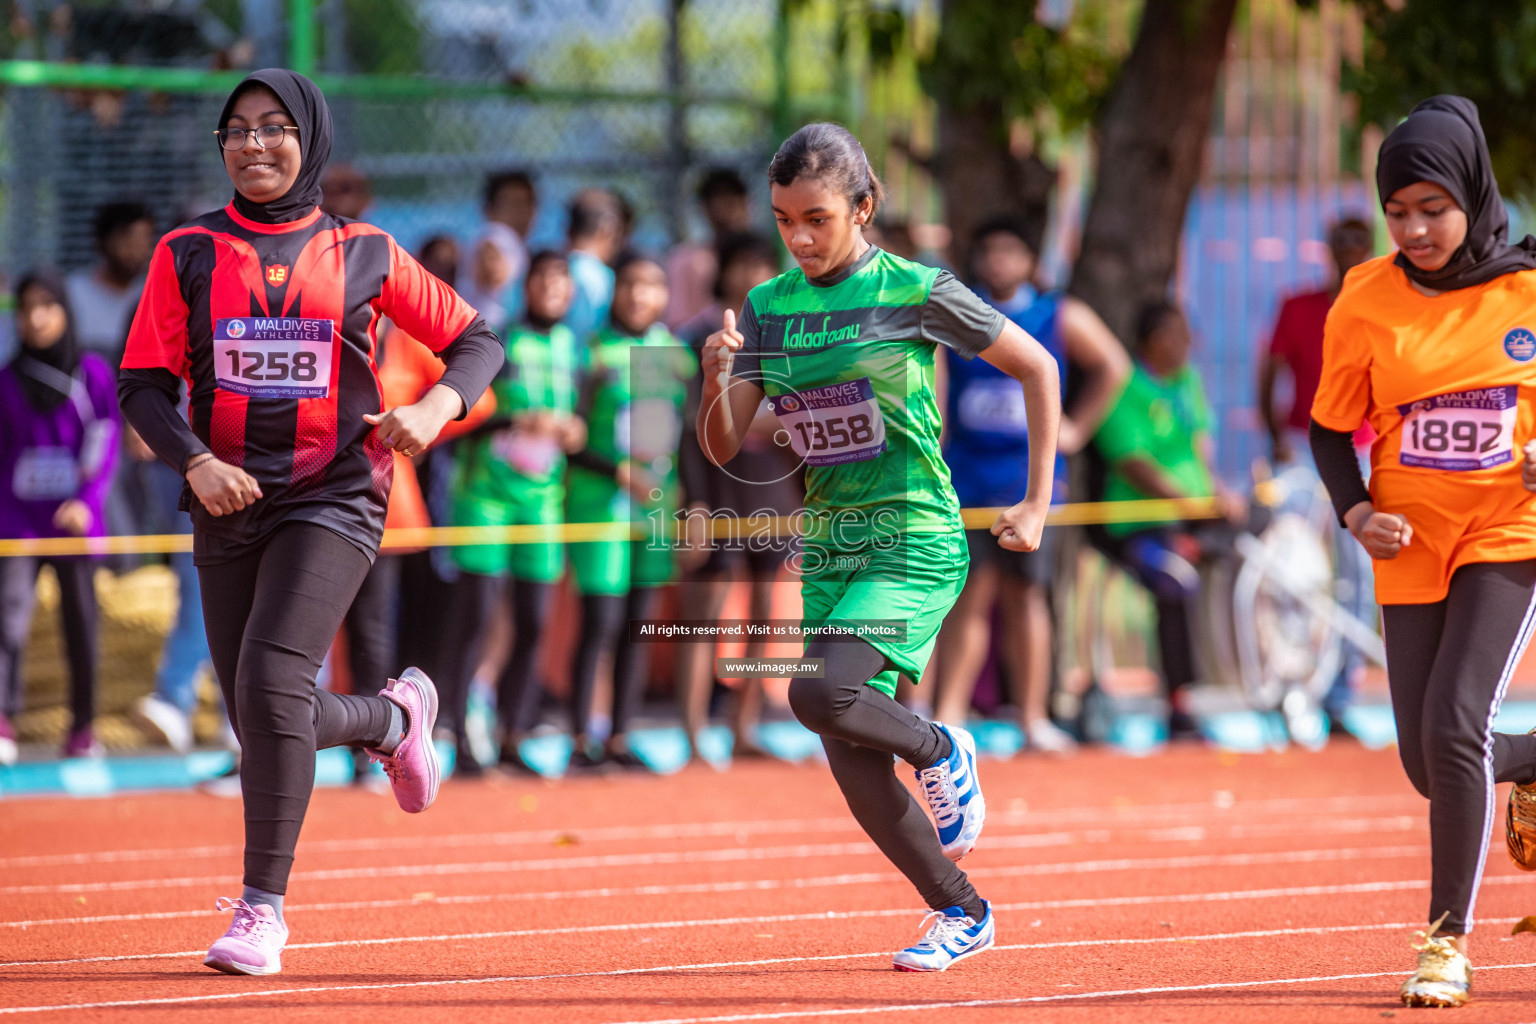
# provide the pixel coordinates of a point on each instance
(833, 424)
(274, 357)
(1460, 431)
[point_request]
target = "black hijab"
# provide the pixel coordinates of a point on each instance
(302, 99)
(46, 374)
(1442, 141)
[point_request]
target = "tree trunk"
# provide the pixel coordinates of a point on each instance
(981, 177)
(1150, 141)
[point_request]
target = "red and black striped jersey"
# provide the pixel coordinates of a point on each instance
(273, 328)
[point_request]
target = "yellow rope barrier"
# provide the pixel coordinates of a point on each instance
(1152, 510)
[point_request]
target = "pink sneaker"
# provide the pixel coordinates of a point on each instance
(254, 942)
(82, 743)
(413, 769)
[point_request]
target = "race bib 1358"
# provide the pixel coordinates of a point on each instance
(833, 424)
(274, 357)
(1460, 431)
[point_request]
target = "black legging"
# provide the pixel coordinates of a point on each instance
(518, 689)
(370, 625)
(1448, 664)
(423, 618)
(78, 613)
(271, 615)
(861, 728)
(605, 628)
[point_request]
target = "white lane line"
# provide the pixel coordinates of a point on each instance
(641, 860)
(610, 892)
(1215, 986)
(513, 978)
(765, 885)
(644, 926)
(841, 823)
(1180, 834)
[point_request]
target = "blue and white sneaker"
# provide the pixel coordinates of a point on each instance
(953, 936)
(954, 795)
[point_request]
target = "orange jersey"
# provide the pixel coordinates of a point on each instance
(1448, 385)
(407, 371)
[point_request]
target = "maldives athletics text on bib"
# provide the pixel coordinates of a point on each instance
(274, 357)
(833, 424)
(1460, 431)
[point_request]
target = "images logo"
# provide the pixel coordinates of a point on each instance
(789, 403)
(276, 274)
(1520, 345)
(236, 329)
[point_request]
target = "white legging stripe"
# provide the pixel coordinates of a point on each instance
(1522, 638)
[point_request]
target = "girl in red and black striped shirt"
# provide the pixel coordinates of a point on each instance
(268, 310)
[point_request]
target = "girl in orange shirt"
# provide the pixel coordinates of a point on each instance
(1435, 347)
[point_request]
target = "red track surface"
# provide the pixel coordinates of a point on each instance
(1193, 886)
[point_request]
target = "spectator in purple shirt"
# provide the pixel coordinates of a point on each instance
(58, 442)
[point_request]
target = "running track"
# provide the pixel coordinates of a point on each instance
(1193, 886)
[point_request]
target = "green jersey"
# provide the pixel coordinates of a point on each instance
(1163, 422)
(538, 376)
(632, 396)
(847, 365)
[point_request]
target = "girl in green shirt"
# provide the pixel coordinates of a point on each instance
(842, 347)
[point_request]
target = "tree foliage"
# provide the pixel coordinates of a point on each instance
(1001, 56)
(1485, 51)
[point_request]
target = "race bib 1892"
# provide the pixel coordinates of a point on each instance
(274, 357)
(1460, 431)
(833, 424)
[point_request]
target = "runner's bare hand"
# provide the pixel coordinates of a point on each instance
(1528, 467)
(1019, 528)
(223, 489)
(719, 352)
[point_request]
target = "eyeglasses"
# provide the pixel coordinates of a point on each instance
(268, 136)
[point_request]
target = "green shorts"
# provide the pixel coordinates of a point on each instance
(541, 561)
(916, 582)
(613, 566)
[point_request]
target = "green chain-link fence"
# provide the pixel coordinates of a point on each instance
(108, 101)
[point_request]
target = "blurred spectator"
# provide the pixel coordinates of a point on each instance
(896, 238)
(1157, 442)
(627, 218)
(407, 371)
(427, 577)
(763, 479)
(166, 714)
(1296, 347)
(58, 442)
(495, 262)
(513, 473)
(346, 192)
(691, 266)
(632, 393)
(986, 447)
(103, 297)
(595, 231)
(440, 255)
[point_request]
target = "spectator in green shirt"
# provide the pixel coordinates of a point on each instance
(1157, 443)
